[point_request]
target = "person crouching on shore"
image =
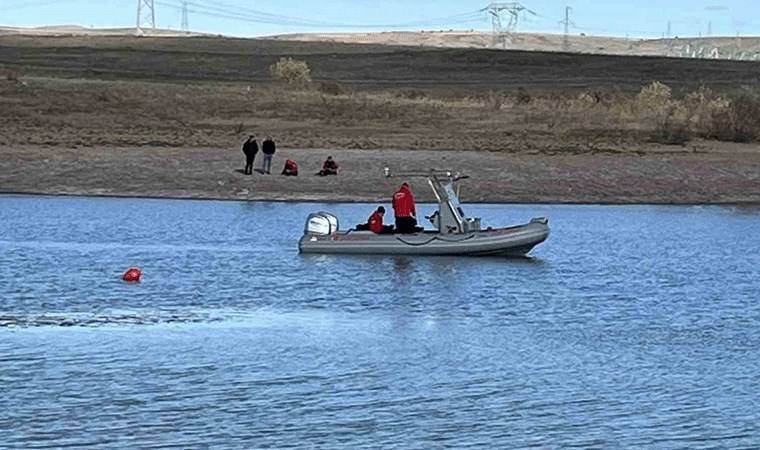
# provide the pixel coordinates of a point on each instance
(330, 167)
(290, 169)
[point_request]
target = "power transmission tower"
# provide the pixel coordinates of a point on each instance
(567, 23)
(501, 13)
(669, 30)
(185, 22)
(146, 15)
(709, 29)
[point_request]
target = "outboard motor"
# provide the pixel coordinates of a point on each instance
(322, 223)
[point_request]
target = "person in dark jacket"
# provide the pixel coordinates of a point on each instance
(290, 169)
(330, 167)
(404, 210)
(267, 148)
(250, 148)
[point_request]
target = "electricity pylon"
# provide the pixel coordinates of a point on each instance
(185, 22)
(567, 23)
(501, 13)
(146, 15)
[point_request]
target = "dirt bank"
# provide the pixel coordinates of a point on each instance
(684, 176)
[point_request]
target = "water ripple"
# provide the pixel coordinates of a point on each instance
(632, 327)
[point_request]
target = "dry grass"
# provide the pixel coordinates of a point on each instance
(96, 113)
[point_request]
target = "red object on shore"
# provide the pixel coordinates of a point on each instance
(132, 275)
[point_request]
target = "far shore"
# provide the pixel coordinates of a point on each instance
(702, 174)
(294, 200)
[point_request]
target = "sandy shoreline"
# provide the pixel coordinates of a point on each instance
(671, 175)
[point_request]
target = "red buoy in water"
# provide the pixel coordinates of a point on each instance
(132, 275)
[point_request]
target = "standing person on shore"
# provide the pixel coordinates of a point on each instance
(268, 148)
(250, 148)
(404, 210)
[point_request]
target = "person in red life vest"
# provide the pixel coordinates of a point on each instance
(330, 167)
(375, 221)
(404, 210)
(291, 168)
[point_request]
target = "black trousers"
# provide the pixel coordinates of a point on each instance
(249, 164)
(406, 225)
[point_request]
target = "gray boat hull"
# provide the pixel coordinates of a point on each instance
(506, 242)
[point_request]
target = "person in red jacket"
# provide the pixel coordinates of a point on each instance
(290, 169)
(375, 221)
(404, 210)
(330, 167)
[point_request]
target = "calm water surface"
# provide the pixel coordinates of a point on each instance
(630, 327)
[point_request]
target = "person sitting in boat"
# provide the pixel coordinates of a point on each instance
(290, 169)
(404, 210)
(375, 221)
(330, 167)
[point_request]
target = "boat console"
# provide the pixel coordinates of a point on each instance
(449, 218)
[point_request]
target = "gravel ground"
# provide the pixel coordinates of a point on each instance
(722, 174)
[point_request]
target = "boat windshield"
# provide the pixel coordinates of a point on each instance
(452, 195)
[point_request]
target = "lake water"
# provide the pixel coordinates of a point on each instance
(630, 327)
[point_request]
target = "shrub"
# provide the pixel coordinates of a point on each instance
(668, 118)
(411, 94)
(654, 101)
(330, 88)
(702, 105)
(747, 114)
(655, 92)
(522, 97)
(293, 72)
(14, 76)
(494, 100)
(740, 122)
(672, 134)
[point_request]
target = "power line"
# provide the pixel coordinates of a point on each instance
(218, 4)
(27, 4)
(230, 12)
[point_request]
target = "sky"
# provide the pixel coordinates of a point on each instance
(250, 18)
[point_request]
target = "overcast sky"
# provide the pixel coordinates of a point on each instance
(639, 18)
